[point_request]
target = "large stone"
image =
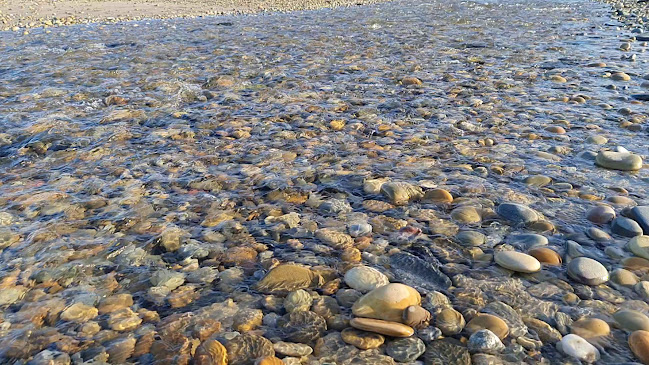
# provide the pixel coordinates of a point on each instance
(388, 328)
(624, 161)
(287, 278)
(639, 245)
(387, 302)
(587, 271)
(362, 339)
(575, 346)
(626, 227)
(517, 213)
(365, 279)
(517, 261)
(639, 344)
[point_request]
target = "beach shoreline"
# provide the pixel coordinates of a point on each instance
(19, 15)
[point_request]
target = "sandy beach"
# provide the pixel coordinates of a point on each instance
(18, 15)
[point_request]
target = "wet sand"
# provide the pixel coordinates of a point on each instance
(18, 15)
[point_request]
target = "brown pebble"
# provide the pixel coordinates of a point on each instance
(546, 256)
(639, 344)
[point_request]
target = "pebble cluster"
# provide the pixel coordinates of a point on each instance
(371, 185)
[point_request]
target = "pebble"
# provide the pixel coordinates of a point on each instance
(450, 321)
(626, 227)
(489, 322)
(406, 349)
(365, 279)
(416, 317)
(601, 214)
(587, 271)
(639, 245)
(401, 193)
(590, 328)
(292, 349)
(639, 344)
(485, 341)
(211, 352)
(286, 278)
(298, 300)
(546, 256)
(246, 348)
(362, 339)
(624, 161)
(526, 241)
(471, 238)
(388, 328)
(466, 215)
(517, 213)
(79, 313)
(517, 261)
(624, 277)
(631, 320)
(387, 302)
(641, 215)
(575, 346)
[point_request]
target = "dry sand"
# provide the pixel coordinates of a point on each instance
(20, 14)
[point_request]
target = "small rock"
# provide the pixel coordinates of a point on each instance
(624, 161)
(362, 339)
(631, 320)
(387, 302)
(577, 347)
(590, 328)
(365, 279)
(406, 349)
(490, 322)
(247, 319)
(639, 245)
(450, 322)
(416, 316)
(546, 256)
(299, 300)
(587, 271)
(286, 278)
(639, 344)
(401, 193)
(517, 261)
(485, 341)
(600, 214)
(517, 213)
(292, 349)
(79, 313)
(626, 227)
(211, 352)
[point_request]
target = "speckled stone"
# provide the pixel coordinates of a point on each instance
(406, 349)
(587, 271)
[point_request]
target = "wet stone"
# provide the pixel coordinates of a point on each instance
(601, 214)
(405, 349)
(578, 348)
(286, 278)
(401, 193)
(517, 261)
(362, 339)
(624, 161)
(365, 279)
(299, 300)
(485, 341)
(490, 322)
(631, 320)
(388, 328)
(419, 273)
(450, 321)
(587, 271)
(471, 238)
(626, 227)
(246, 348)
(639, 344)
(387, 302)
(302, 326)
(447, 351)
(292, 349)
(517, 213)
(641, 215)
(416, 316)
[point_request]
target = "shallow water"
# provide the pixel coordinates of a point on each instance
(88, 188)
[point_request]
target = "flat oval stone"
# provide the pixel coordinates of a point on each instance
(577, 347)
(466, 214)
(471, 238)
(292, 349)
(624, 161)
(598, 235)
(587, 271)
(517, 261)
(406, 349)
(526, 241)
(624, 277)
(600, 214)
(387, 302)
(639, 245)
(517, 213)
(590, 328)
(490, 322)
(286, 278)
(626, 227)
(365, 279)
(362, 339)
(546, 256)
(631, 320)
(401, 193)
(388, 328)
(639, 344)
